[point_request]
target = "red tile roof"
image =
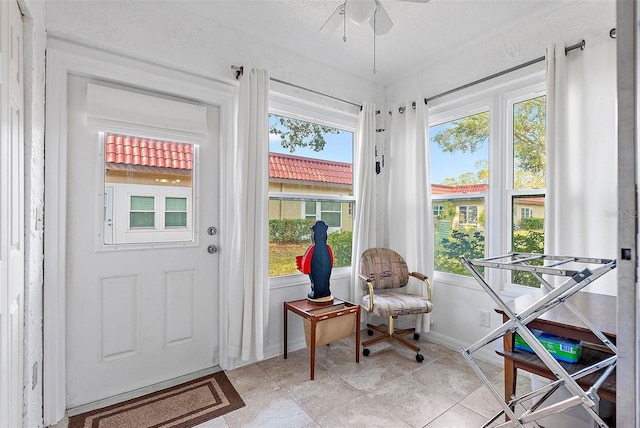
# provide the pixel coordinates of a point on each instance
(290, 167)
(123, 149)
(444, 189)
(146, 152)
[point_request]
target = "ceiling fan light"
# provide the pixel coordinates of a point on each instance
(360, 11)
(381, 22)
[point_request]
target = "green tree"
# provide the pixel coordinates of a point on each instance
(469, 244)
(295, 133)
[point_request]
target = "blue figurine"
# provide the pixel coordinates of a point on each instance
(317, 261)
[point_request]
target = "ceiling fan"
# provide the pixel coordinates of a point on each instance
(360, 12)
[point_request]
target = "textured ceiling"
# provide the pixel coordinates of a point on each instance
(423, 33)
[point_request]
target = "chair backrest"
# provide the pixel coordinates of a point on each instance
(384, 267)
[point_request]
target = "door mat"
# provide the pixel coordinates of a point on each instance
(182, 406)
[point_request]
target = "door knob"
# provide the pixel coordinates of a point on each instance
(212, 249)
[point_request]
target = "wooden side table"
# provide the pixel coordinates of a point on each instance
(320, 316)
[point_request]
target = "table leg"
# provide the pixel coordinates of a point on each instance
(285, 330)
(313, 347)
(358, 335)
(510, 370)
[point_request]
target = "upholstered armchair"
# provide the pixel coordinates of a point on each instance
(385, 274)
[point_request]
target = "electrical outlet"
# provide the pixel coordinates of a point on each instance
(485, 319)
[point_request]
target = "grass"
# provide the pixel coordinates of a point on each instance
(282, 258)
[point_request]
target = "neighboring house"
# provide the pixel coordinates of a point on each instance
(314, 177)
(469, 212)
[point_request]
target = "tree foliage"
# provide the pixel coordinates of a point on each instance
(460, 243)
(296, 133)
(466, 135)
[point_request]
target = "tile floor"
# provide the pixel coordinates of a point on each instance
(386, 389)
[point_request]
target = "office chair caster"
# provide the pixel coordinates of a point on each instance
(366, 352)
(416, 336)
(419, 358)
(370, 332)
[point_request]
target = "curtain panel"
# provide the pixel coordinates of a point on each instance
(364, 222)
(248, 220)
(410, 216)
(581, 202)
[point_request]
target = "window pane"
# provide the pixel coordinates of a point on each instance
(173, 219)
(175, 204)
(141, 220)
(528, 232)
(529, 144)
(142, 203)
(307, 158)
(310, 209)
(332, 219)
(459, 152)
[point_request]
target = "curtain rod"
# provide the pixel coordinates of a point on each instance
(240, 70)
(567, 49)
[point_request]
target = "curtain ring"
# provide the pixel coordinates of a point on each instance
(401, 110)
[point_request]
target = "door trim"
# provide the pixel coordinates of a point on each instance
(64, 58)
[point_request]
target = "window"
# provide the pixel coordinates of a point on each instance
(483, 205)
(142, 212)
(310, 178)
(175, 214)
(468, 215)
(327, 211)
(459, 151)
(438, 210)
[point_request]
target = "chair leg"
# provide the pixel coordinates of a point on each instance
(390, 334)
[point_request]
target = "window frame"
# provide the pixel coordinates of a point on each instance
(498, 99)
(340, 116)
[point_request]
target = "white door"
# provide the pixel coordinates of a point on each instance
(11, 216)
(141, 206)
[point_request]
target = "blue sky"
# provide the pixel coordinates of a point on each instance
(339, 147)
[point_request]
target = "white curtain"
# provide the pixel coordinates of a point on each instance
(410, 214)
(581, 202)
(248, 181)
(364, 188)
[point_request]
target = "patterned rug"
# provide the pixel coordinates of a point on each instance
(181, 406)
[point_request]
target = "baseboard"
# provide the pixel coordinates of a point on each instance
(486, 354)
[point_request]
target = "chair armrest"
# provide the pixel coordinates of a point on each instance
(370, 286)
(425, 279)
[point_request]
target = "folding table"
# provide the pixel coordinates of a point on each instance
(573, 273)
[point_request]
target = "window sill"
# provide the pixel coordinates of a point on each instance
(298, 279)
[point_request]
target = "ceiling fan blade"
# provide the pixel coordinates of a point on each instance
(334, 20)
(381, 22)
